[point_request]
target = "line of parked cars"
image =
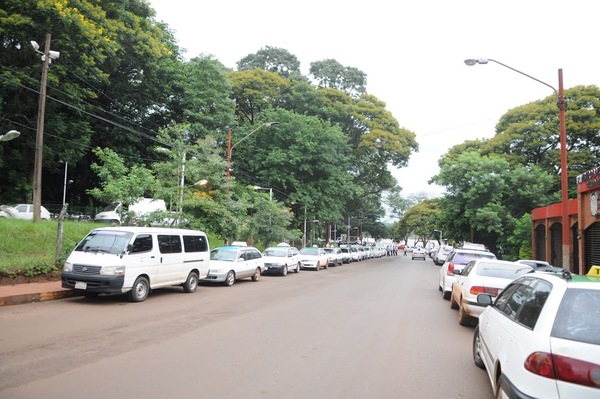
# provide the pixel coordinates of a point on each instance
(135, 260)
(537, 327)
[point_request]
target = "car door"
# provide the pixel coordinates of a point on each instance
(170, 259)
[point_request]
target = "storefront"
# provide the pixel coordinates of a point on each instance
(584, 225)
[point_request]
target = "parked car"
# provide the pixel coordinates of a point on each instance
(439, 256)
(22, 211)
(313, 258)
(418, 253)
(281, 259)
(356, 255)
(346, 254)
(233, 262)
(540, 265)
(335, 256)
(457, 260)
(539, 338)
(481, 276)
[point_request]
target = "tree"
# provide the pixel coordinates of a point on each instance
(485, 195)
(271, 59)
(254, 91)
(331, 74)
(530, 134)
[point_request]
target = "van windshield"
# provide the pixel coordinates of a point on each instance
(113, 242)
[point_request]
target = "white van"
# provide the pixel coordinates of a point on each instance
(137, 259)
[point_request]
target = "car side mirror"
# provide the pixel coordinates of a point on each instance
(457, 272)
(484, 299)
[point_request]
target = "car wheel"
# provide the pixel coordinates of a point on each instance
(453, 304)
(318, 266)
(256, 275)
(140, 290)
(477, 349)
(230, 278)
(284, 271)
(463, 318)
(326, 265)
(191, 283)
(297, 270)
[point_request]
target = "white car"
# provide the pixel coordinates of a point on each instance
(336, 258)
(540, 338)
(439, 257)
(480, 276)
(314, 258)
(281, 259)
(231, 263)
(346, 254)
(418, 253)
(22, 211)
(457, 260)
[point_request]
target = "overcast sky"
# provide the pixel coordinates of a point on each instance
(413, 53)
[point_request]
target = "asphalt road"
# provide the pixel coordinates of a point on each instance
(374, 329)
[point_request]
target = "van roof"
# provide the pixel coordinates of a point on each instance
(137, 230)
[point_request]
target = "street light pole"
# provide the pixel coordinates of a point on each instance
(39, 137)
(230, 148)
(562, 106)
(265, 188)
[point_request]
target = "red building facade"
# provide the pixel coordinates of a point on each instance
(584, 226)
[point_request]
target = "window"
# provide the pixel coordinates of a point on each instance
(195, 244)
(468, 268)
(169, 244)
(503, 301)
(578, 317)
(142, 243)
(536, 296)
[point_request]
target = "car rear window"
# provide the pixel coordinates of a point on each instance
(578, 317)
(464, 258)
(490, 269)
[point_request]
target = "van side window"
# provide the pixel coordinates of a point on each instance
(142, 243)
(195, 244)
(169, 244)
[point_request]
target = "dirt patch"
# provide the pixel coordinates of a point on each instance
(41, 278)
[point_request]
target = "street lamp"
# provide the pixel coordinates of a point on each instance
(264, 188)
(65, 183)
(562, 106)
(231, 147)
(11, 135)
(47, 56)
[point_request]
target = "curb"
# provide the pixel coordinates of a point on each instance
(38, 297)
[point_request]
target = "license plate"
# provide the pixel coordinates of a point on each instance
(80, 285)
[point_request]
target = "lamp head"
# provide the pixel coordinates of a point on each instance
(13, 134)
(472, 61)
(35, 46)
(271, 123)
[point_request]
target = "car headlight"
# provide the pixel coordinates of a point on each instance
(68, 267)
(112, 271)
(216, 271)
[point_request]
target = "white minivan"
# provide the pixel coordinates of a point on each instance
(135, 260)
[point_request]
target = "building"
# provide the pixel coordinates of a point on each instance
(584, 225)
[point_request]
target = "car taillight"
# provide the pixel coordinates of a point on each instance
(564, 368)
(477, 289)
(450, 271)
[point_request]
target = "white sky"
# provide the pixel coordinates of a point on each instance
(412, 53)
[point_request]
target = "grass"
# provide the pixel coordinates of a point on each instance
(29, 249)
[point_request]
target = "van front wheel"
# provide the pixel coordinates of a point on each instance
(140, 290)
(191, 283)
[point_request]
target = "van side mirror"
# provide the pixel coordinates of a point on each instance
(457, 272)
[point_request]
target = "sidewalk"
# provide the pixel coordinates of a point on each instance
(34, 292)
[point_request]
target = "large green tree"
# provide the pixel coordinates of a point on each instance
(485, 195)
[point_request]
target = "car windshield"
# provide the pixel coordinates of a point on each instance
(280, 253)
(309, 251)
(227, 255)
(114, 242)
(577, 318)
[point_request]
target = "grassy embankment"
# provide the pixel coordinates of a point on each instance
(29, 249)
